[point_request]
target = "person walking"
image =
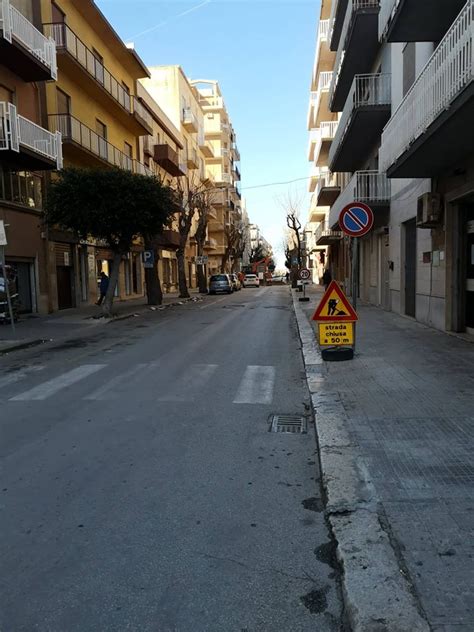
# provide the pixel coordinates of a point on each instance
(327, 278)
(103, 287)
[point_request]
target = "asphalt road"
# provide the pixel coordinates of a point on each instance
(142, 490)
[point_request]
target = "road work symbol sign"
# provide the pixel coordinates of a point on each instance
(334, 306)
(336, 334)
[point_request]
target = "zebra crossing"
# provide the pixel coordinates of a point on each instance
(256, 385)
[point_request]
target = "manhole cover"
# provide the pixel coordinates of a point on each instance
(289, 424)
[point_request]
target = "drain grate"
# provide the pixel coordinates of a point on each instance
(289, 424)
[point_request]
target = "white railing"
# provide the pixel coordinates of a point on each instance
(324, 230)
(325, 132)
(366, 90)
(387, 10)
(189, 118)
(371, 187)
(323, 32)
(325, 79)
(352, 7)
(313, 139)
(142, 112)
(142, 169)
(328, 179)
(16, 131)
(447, 73)
(15, 24)
(324, 82)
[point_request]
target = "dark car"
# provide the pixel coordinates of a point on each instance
(220, 283)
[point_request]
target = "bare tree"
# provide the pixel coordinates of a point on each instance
(203, 204)
(233, 236)
(291, 203)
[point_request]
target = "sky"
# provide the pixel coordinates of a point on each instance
(261, 52)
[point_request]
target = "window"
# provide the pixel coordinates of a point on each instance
(101, 129)
(128, 150)
(6, 94)
(409, 66)
(98, 66)
(63, 102)
(57, 14)
(125, 87)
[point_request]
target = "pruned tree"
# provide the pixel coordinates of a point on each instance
(203, 205)
(233, 235)
(257, 254)
(240, 247)
(115, 206)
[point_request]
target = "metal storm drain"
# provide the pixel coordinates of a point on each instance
(289, 424)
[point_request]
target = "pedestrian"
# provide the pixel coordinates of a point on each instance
(103, 287)
(287, 276)
(327, 278)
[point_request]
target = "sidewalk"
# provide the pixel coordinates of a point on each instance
(395, 430)
(33, 329)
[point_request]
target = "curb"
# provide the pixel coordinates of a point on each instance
(377, 592)
(153, 308)
(22, 345)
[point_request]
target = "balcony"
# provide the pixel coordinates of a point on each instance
(327, 190)
(324, 137)
(316, 173)
(313, 139)
(370, 187)
(142, 115)
(319, 102)
(206, 147)
(25, 144)
(357, 49)
(366, 111)
(325, 236)
(324, 58)
(432, 129)
(338, 12)
(192, 159)
(142, 169)
(168, 239)
(215, 226)
(189, 120)
(24, 49)
(417, 20)
(236, 173)
(211, 244)
(236, 151)
(168, 159)
(86, 146)
(316, 213)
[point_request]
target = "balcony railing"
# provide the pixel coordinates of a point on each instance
(352, 8)
(366, 91)
(323, 34)
(67, 40)
(387, 10)
(141, 112)
(325, 232)
(370, 187)
(327, 179)
(73, 130)
(448, 72)
(189, 120)
(16, 131)
(142, 169)
(14, 24)
(324, 82)
(325, 132)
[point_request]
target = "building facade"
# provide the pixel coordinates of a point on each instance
(402, 90)
(94, 104)
(27, 148)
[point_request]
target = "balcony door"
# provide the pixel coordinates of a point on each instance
(101, 130)
(63, 109)
(98, 66)
(469, 276)
(59, 28)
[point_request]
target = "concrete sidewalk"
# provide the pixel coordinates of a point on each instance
(395, 430)
(33, 329)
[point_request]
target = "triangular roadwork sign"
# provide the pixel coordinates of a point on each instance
(334, 306)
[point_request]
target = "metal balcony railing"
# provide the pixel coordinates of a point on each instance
(327, 179)
(73, 130)
(366, 90)
(67, 40)
(142, 169)
(448, 72)
(387, 10)
(352, 7)
(189, 118)
(16, 131)
(15, 24)
(142, 112)
(323, 33)
(370, 187)
(324, 230)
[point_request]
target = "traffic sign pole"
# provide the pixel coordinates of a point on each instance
(355, 279)
(7, 289)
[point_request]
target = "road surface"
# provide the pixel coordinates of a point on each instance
(142, 489)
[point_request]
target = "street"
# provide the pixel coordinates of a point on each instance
(142, 489)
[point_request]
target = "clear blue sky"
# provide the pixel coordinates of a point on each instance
(261, 52)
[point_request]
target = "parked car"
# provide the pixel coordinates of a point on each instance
(251, 280)
(236, 284)
(220, 283)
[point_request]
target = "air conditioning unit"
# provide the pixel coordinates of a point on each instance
(429, 210)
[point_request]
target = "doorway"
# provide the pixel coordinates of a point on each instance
(64, 281)
(469, 269)
(410, 268)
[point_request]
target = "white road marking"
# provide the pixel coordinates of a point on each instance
(18, 375)
(213, 302)
(256, 386)
(188, 385)
(45, 390)
(105, 391)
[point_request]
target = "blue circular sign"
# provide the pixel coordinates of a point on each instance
(356, 219)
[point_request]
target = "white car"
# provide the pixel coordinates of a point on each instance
(251, 280)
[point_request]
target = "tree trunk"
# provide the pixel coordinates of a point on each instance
(154, 293)
(113, 280)
(182, 283)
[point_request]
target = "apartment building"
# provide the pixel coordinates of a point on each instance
(27, 148)
(178, 98)
(402, 89)
(222, 160)
(163, 153)
(94, 104)
(324, 185)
